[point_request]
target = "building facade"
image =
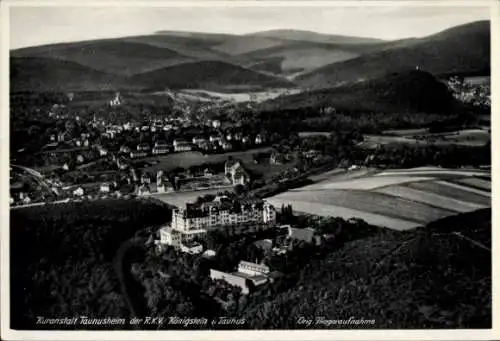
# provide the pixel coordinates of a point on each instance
(213, 214)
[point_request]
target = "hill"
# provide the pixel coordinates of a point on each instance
(46, 74)
(463, 49)
(438, 276)
(209, 75)
(413, 91)
(115, 56)
(310, 36)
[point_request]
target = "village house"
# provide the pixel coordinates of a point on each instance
(257, 274)
(198, 140)
(179, 141)
(78, 192)
(216, 124)
(124, 149)
(215, 139)
(236, 173)
(105, 187)
(143, 147)
(161, 150)
(258, 139)
(102, 151)
(226, 145)
(80, 158)
(145, 178)
(183, 147)
(138, 154)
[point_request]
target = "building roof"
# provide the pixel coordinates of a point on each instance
(250, 264)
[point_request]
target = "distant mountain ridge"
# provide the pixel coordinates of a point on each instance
(283, 58)
(462, 49)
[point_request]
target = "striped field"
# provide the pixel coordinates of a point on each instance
(398, 199)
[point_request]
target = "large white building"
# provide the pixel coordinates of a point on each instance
(222, 211)
(195, 219)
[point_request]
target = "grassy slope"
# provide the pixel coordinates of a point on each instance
(462, 49)
(426, 278)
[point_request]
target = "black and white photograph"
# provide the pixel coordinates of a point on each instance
(247, 166)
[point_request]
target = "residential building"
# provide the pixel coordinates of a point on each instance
(216, 124)
(226, 145)
(199, 140)
(135, 155)
(124, 149)
(143, 147)
(78, 192)
(160, 150)
(209, 253)
(258, 139)
(215, 139)
(160, 143)
(256, 274)
(105, 187)
(183, 147)
(253, 269)
(102, 151)
(236, 173)
(146, 178)
(179, 141)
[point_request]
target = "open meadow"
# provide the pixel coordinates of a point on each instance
(194, 158)
(397, 199)
(464, 137)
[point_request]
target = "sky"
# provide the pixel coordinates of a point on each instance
(31, 26)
